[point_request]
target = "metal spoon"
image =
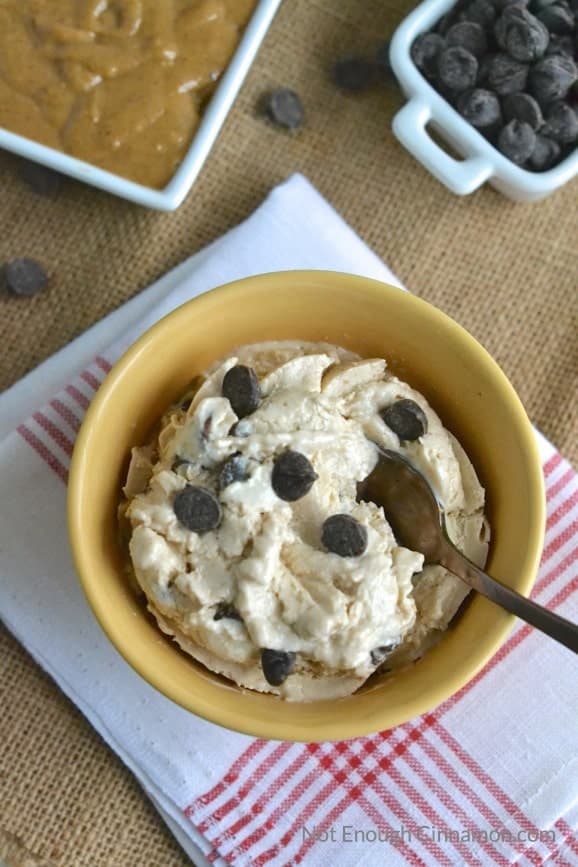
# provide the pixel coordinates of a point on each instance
(418, 523)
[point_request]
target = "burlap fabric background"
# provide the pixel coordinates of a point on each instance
(508, 273)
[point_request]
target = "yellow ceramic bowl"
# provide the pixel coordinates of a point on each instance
(424, 347)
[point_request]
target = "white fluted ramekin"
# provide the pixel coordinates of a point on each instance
(171, 196)
(426, 108)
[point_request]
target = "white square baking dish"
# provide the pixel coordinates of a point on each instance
(171, 196)
(427, 108)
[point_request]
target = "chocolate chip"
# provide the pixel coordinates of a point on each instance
(41, 179)
(522, 107)
(378, 654)
(480, 107)
(233, 470)
(241, 388)
(343, 535)
(444, 24)
(481, 12)
(353, 73)
(197, 509)
(277, 665)
(228, 611)
(517, 141)
(561, 45)
(425, 52)
(506, 75)
(457, 68)
(545, 154)
(179, 462)
(468, 35)
(558, 19)
(552, 77)
(240, 429)
(405, 418)
(538, 5)
(521, 34)
(25, 277)
(292, 476)
(483, 70)
(561, 124)
(284, 107)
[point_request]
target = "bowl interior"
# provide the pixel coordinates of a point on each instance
(423, 346)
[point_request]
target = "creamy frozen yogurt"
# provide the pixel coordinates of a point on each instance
(247, 538)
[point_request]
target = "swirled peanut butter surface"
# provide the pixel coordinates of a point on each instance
(120, 84)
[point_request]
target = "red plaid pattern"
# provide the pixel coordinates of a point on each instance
(419, 775)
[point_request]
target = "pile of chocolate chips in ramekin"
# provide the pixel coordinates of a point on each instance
(510, 69)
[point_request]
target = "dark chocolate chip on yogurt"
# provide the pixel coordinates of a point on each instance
(293, 476)
(197, 509)
(233, 470)
(405, 418)
(241, 388)
(277, 665)
(25, 277)
(179, 462)
(378, 654)
(343, 535)
(225, 610)
(240, 429)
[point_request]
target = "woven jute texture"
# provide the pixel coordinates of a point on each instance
(508, 273)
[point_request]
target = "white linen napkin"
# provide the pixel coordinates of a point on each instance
(499, 758)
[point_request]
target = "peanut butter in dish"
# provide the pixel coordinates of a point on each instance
(120, 84)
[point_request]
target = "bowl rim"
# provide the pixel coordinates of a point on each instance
(174, 192)
(339, 728)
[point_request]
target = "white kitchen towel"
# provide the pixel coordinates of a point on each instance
(489, 777)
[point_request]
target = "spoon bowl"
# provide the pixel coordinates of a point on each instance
(408, 502)
(417, 521)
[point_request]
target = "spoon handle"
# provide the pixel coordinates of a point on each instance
(552, 624)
